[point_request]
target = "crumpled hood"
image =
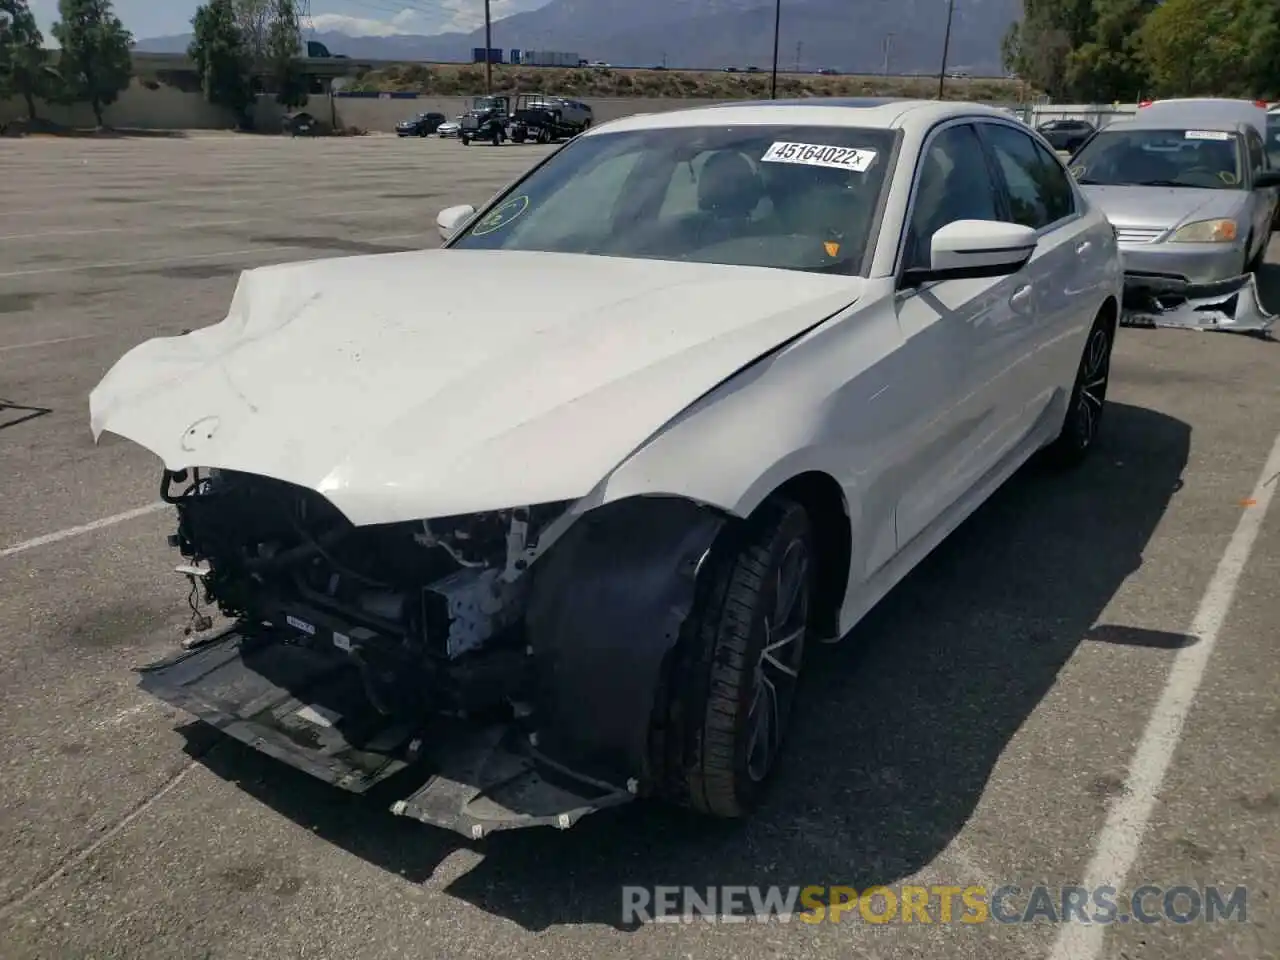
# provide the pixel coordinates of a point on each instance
(1163, 208)
(442, 382)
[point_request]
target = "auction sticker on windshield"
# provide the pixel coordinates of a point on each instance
(501, 215)
(1207, 135)
(820, 155)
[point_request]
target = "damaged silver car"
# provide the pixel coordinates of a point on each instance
(1192, 195)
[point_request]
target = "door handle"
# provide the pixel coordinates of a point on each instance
(1021, 298)
(1084, 248)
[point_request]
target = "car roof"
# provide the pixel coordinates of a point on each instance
(875, 112)
(1204, 114)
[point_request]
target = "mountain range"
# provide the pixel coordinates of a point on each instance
(853, 36)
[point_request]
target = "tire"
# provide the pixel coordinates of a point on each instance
(1088, 401)
(424, 132)
(466, 141)
(728, 677)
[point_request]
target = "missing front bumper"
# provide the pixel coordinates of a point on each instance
(306, 708)
(1230, 306)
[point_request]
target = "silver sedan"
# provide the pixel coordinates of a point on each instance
(1192, 207)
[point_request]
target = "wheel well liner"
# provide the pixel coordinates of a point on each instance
(607, 603)
(1111, 310)
(822, 497)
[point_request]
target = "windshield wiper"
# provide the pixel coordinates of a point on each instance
(1159, 183)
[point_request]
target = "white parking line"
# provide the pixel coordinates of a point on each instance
(49, 343)
(248, 251)
(1121, 837)
(197, 224)
(66, 534)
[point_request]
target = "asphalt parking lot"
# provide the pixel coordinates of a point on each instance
(976, 730)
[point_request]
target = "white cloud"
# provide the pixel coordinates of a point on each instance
(448, 16)
(406, 21)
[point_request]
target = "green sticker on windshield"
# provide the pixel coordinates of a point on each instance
(501, 215)
(1077, 171)
(1229, 178)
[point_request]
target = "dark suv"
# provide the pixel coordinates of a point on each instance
(423, 125)
(1067, 135)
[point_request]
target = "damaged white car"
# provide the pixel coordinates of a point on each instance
(529, 560)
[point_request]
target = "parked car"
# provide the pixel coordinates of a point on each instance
(451, 128)
(1273, 136)
(1066, 134)
(423, 125)
(590, 575)
(300, 124)
(1222, 108)
(1193, 197)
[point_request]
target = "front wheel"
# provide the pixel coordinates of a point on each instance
(466, 141)
(1088, 397)
(738, 682)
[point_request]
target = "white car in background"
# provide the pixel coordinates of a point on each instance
(450, 128)
(569, 554)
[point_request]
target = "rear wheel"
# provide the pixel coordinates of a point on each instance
(1088, 397)
(738, 682)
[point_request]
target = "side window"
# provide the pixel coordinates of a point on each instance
(954, 184)
(1039, 191)
(1257, 155)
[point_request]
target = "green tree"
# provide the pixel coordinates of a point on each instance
(1109, 65)
(95, 64)
(25, 67)
(1038, 47)
(1225, 48)
(219, 55)
(253, 17)
(284, 41)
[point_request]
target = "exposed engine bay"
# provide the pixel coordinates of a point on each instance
(503, 668)
(428, 611)
(1230, 306)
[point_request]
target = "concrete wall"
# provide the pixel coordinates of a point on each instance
(166, 108)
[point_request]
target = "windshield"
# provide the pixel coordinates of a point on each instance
(1273, 138)
(1161, 158)
(794, 197)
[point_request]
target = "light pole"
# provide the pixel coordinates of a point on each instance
(946, 46)
(488, 45)
(888, 46)
(777, 24)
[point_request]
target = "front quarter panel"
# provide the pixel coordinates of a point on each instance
(828, 403)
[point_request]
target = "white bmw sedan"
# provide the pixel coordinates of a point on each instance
(738, 370)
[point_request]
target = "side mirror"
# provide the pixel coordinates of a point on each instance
(450, 219)
(975, 248)
(1265, 179)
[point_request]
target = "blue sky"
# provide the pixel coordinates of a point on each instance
(154, 18)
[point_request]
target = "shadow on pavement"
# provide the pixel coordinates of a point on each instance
(893, 741)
